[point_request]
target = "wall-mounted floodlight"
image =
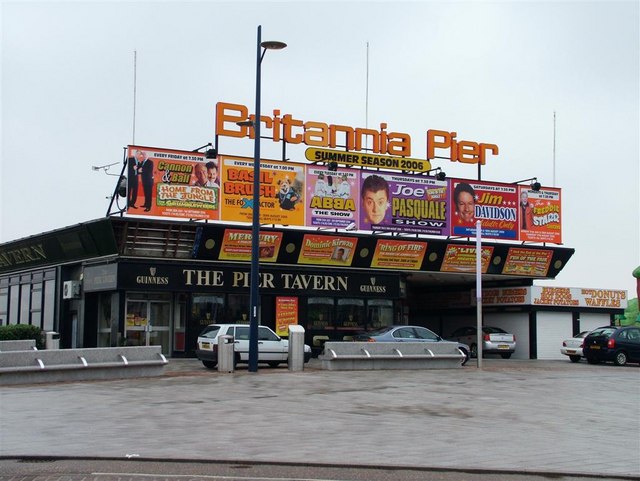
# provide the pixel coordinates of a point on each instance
(211, 152)
(105, 168)
(440, 175)
(535, 185)
(332, 166)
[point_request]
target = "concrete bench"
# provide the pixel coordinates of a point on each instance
(20, 345)
(391, 355)
(25, 367)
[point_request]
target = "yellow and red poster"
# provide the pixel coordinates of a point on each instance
(327, 250)
(236, 245)
(463, 258)
(281, 191)
(540, 216)
(286, 314)
(171, 183)
(527, 262)
(397, 254)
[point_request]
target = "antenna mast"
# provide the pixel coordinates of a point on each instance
(554, 148)
(366, 102)
(135, 68)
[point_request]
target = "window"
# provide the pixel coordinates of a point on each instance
(320, 313)
(238, 311)
(207, 309)
(265, 334)
(351, 314)
(379, 313)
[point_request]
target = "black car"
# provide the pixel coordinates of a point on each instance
(614, 344)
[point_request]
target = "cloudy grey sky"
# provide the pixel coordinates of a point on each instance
(492, 71)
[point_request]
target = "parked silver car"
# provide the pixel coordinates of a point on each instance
(572, 347)
(494, 340)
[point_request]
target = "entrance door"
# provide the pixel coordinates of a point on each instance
(148, 321)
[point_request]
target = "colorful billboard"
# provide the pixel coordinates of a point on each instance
(540, 216)
(527, 262)
(171, 183)
(281, 191)
(495, 205)
(403, 203)
(398, 254)
(459, 258)
(332, 197)
(327, 250)
(236, 245)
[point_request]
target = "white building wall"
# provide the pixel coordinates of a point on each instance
(516, 323)
(552, 328)
(589, 321)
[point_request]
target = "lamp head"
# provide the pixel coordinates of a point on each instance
(535, 186)
(273, 45)
(441, 175)
(211, 153)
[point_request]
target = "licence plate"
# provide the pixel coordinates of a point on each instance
(206, 345)
(594, 347)
(571, 351)
(503, 346)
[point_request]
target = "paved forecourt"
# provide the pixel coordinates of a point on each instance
(524, 416)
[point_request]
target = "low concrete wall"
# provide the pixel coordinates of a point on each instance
(26, 367)
(390, 355)
(21, 345)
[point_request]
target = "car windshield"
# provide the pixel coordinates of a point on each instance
(210, 331)
(379, 332)
(493, 330)
(603, 331)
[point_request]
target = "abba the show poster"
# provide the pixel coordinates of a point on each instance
(281, 192)
(400, 203)
(493, 204)
(540, 217)
(332, 197)
(171, 183)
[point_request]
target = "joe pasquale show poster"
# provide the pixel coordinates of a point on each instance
(401, 203)
(495, 205)
(281, 192)
(540, 215)
(332, 197)
(171, 183)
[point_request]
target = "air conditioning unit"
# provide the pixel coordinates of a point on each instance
(71, 290)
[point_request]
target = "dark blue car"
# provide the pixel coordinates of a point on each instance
(613, 344)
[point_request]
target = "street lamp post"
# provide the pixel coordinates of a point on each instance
(254, 297)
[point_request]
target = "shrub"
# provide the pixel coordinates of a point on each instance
(18, 332)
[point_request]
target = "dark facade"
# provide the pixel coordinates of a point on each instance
(122, 280)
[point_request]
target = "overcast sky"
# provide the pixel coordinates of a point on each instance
(493, 72)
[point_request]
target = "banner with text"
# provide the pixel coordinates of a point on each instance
(540, 215)
(332, 197)
(171, 183)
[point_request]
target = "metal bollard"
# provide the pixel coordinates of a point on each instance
(226, 354)
(52, 340)
(296, 347)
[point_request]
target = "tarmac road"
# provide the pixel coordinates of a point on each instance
(540, 419)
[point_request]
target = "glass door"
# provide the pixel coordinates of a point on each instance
(148, 321)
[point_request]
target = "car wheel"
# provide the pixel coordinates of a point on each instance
(506, 355)
(574, 358)
(210, 364)
(273, 363)
(592, 360)
(621, 358)
(474, 350)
